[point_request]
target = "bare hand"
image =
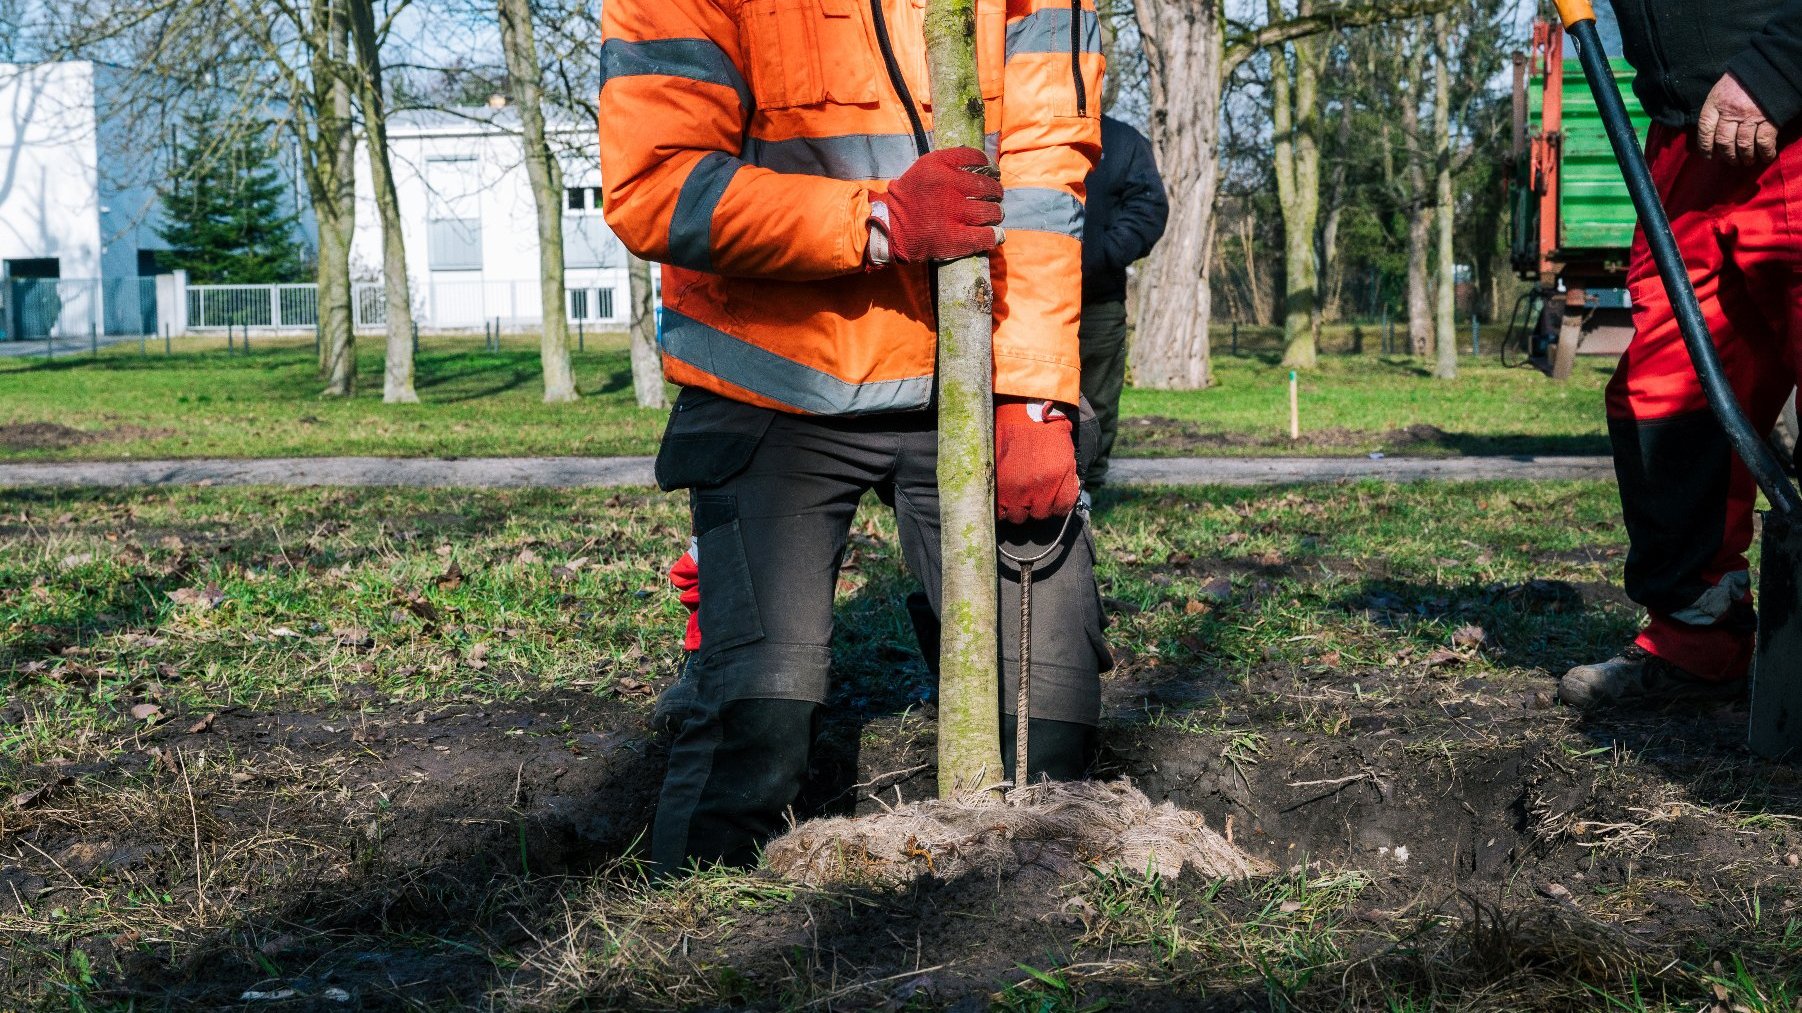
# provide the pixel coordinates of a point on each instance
(1733, 125)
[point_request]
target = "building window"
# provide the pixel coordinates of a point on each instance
(578, 304)
(453, 214)
(587, 242)
(583, 307)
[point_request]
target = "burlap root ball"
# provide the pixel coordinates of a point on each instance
(1061, 825)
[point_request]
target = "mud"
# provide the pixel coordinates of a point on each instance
(56, 436)
(385, 852)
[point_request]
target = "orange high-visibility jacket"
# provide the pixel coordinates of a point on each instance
(742, 140)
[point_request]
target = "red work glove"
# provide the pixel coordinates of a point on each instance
(685, 576)
(945, 206)
(1035, 462)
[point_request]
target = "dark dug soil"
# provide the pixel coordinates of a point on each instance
(56, 436)
(408, 857)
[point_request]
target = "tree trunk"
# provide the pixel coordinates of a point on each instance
(1294, 100)
(397, 373)
(969, 666)
(546, 176)
(1332, 272)
(1184, 54)
(647, 369)
(335, 208)
(1446, 332)
(1419, 205)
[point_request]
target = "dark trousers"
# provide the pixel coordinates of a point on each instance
(1687, 500)
(773, 496)
(1102, 338)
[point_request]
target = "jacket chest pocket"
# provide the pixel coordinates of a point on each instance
(808, 52)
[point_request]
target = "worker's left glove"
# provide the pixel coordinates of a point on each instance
(685, 577)
(1035, 461)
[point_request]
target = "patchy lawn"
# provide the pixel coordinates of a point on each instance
(390, 749)
(202, 402)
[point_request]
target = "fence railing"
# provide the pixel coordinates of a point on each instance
(37, 308)
(598, 298)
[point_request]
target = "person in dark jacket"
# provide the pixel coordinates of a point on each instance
(1125, 218)
(1723, 85)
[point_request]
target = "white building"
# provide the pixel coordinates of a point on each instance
(77, 204)
(470, 226)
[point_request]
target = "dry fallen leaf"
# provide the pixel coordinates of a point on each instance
(207, 597)
(451, 578)
(527, 557)
(1470, 636)
(628, 686)
(27, 799)
(1197, 608)
(282, 631)
(205, 724)
(354, 636)
(145, 712)
(1443, 657)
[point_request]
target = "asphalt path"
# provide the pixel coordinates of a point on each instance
(590, 472)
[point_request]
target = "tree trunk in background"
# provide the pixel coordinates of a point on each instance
(335, 205)
(1445, 329)
(1420, 211)
(1332, 272)
(969, 655)
(397, 373)
(647, 369)
(1295, 114)
(1183, 45)
(546, 175)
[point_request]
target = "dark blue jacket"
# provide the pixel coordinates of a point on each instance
(1126, 211)
(1680, 48)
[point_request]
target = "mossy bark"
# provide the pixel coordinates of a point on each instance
(969, 716)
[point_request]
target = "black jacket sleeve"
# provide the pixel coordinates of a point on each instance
(1141, 208)
(1771, 64)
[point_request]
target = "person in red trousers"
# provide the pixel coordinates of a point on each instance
(1723, 83)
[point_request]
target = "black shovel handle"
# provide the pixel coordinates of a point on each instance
(1579, 20)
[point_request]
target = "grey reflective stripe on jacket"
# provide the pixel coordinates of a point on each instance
(784, 380)
(691, 224)
(855, 157)
(1048, 31)
(694, 59)
(1041, 209)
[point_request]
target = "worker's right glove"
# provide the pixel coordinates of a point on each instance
(945, 206)
(1035, 461)
(685, 576)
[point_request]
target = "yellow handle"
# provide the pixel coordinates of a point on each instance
(1573, 11)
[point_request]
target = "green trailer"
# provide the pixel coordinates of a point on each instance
(1572, 219)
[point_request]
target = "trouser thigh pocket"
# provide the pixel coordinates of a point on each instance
(729, 612)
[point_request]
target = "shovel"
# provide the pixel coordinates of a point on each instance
(1776, 729)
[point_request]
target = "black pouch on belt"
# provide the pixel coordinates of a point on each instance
(708, 440)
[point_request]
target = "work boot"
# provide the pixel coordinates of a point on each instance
(1638, 674)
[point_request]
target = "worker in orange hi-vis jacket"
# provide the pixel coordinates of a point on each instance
(774, 155)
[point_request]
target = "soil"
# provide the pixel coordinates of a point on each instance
(395, 846)
(56, 436)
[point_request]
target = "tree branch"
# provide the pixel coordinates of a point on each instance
(1249, 41)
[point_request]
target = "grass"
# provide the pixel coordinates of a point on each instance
(202, 402)
(316, 637)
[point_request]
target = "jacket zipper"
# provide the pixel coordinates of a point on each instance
(1082, 93)
(921, 142)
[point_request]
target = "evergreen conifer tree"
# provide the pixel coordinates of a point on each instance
(224, 211)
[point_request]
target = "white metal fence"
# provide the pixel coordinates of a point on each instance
(600, 298)
(37, 308)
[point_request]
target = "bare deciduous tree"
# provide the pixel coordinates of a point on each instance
(647, 367)
(397, 372)
(526, 78)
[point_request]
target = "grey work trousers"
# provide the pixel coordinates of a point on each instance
(773, 496)
(1102, 338)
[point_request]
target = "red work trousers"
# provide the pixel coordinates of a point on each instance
(1687, 500)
